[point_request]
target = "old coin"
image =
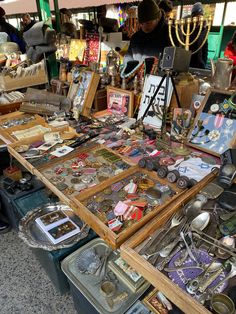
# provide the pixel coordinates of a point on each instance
(61, 186)
(107, 191)
(153, 193)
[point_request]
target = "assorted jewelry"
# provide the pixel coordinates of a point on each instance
(196, 246)
(128, 200)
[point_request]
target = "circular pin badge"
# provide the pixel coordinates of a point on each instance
(214, 108)
(196, 104)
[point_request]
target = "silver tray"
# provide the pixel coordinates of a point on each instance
(32, 235)
(89, 285)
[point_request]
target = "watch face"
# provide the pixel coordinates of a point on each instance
(214, 108)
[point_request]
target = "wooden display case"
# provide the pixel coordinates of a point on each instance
(6, 133)
(129, 252)
(75, 200)
(115, 239)
(8, 83)
(41, 171)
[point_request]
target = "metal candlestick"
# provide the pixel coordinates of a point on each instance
(186, 27)
(182, 150)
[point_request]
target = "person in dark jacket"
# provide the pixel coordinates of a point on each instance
(198, 59)
(28, 23)
(153, 35)
(11, 31)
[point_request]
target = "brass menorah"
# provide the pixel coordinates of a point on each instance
(187, 27)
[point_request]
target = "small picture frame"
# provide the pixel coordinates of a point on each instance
(214, 128)
(126, 273)
(153, 303)
(120, 101)
(82, 93)
(138, 308)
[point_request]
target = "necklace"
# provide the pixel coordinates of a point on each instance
(130, 69)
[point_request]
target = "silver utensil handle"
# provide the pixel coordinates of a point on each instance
(161, 265)
(187, 247)
(209, 280)
(167, 250)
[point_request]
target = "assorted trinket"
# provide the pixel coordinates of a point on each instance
(84, 170)
(9, 123)
(129, 200)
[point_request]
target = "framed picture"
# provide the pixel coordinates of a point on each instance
(120, 101)
(214, 128)
(138, 308)
(154, 115)
(126, 273)
(82, 93)
(153, 303)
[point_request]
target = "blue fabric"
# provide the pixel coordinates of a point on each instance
(15, 38)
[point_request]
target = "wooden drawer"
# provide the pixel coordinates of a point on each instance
(130, 249)
(7, 132)
(100, 225)
(42, 172)
(8, 84)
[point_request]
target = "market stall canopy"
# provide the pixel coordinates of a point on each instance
(22, 6)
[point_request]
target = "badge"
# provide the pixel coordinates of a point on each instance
(214, 108)
(214, 135)
(225, 106)
(196, 104)
(120, 208)
(114, 224)
(219, 120)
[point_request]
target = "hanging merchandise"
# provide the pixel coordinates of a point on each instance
(92, 49)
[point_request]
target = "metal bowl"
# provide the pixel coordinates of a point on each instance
(222, 304)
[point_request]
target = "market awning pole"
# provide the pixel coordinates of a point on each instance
(57, 15)
(44, 9)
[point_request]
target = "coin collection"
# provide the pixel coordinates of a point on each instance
(84, 170)
(127, 201)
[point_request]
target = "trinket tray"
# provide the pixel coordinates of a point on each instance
(83, 169)
(19, 148)
(118, 207)
(18, 121)
(132, 251)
